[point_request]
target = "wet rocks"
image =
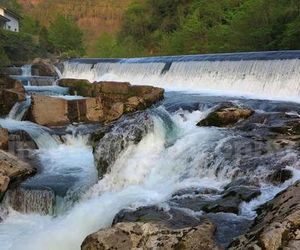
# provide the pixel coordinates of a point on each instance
(4, 138)
(102, 102)
(12, 170)
(277, 225)
(110, 143)
(226, 116)
(125, 236)
(51, 111)
(132, 97)
(280, 176)
(11, 91)
(172, 218)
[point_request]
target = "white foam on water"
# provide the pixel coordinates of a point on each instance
(268, 192)
(144, 174)
(41, 135)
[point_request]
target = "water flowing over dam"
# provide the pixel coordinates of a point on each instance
(264, 74)
(90, 175)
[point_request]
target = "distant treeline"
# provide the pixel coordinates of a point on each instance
(159, 27)
(164, 27)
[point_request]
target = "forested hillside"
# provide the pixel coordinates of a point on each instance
(130, 28)
(202, 26)
(92, 16)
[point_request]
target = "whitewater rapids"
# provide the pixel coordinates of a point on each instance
(144, 174)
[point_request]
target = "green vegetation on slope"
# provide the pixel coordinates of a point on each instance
(128, 28)
(62, 38)
(94, 17)
(163, 27)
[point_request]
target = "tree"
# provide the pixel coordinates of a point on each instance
(66, 36)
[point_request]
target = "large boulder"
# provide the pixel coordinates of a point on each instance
(132, 97)
(52, 111)
(126, 131)
(124, 236)
(11, 91)
(12, 170)
(277, 224)
(226, 116)
(43, 67)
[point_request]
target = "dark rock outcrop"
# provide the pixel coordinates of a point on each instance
(124, 236)
(277, 224)
(226, 116)
(110, 143)
(43, 67)
(11, 91)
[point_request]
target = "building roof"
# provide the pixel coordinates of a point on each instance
(11, 12)
(3, 19)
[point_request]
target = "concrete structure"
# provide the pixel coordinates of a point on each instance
(9, 20)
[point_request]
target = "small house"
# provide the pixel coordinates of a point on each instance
(9, 20)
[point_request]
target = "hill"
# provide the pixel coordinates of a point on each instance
(94, 17)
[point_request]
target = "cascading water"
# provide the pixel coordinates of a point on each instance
(271, 75)
(169, 158)
(147, 158)
(19, 109)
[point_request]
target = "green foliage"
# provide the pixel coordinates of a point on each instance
(160, 27)
(18, 47)
(65, 36)
(11, 4)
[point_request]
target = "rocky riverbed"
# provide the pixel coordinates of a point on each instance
(135, 167)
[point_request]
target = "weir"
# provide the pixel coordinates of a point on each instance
(271, 75)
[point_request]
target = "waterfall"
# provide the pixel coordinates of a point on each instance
(143, 174)
(272, 75)
(26, 70)
(19, 109)
(41, 135)
(26, 74)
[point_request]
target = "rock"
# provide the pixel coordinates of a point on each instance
(223, 205)
(110, 143)
(21, 144)
(12, 170)
(280, 176)
(106, 102)
(11, 71)
(133, 97)
(124, 236)
(226, 116)
(11, 91)
(4, 139)
(51, 111)
(43, 67)
(243, 193)
(172, 218)
(277, 224)
(4, 181)
(78, 87)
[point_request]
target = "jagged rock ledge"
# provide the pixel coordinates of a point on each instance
(129, 235)
(277, 225)
(97, 102)
(12, 170)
